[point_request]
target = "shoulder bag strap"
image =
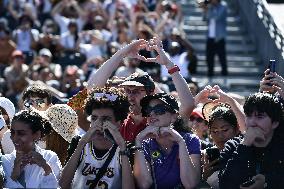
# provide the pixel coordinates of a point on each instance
(103, 169)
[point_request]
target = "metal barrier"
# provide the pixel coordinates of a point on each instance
(265, 33)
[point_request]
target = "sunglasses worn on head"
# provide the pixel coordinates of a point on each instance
(197, 119)
(159, 109)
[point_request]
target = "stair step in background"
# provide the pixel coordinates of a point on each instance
(244, 67)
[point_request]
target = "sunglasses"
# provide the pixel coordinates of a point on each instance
(197, 119)
(40, 103)
(159, 109)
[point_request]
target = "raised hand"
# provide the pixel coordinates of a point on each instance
(171, 134)
(148, 132)
(278, 83)
(162, 58)
(259, 182)
(20, 162)
(202, 96)
(253, 136)
(95, 126)
(132, 50)
(209, 167)
(37, 158)
(114, 131)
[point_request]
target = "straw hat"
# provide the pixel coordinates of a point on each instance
(64, 120)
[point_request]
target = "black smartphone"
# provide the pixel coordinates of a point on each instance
(272, 65)
(272, 68)
(212, 154)
(248, 183)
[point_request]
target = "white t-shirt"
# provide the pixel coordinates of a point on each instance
(34, 175)
(91, 50)
(212, 28)
(67, 40)
(64, 21)
(90, 164)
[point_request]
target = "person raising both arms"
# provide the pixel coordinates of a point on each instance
(137, 86)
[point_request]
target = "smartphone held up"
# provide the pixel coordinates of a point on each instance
(272, 68)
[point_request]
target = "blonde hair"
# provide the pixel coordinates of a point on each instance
(58, 144)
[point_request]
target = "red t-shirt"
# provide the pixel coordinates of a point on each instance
(129, 130)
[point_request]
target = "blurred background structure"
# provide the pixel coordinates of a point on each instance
(254, 36)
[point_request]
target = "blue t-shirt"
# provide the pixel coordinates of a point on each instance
(166, 166)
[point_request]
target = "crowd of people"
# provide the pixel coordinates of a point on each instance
(98, 94)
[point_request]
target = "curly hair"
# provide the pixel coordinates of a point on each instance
(37, 91)
(223, 112)
(35, 121)
(108, 97)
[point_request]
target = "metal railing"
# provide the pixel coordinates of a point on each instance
(264, 31)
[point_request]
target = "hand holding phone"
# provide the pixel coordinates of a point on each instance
(212, 154)
(272, 68)
(248, 183)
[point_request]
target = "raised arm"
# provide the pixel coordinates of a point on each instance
(100, 78)
(127, 175)
(235, 106)
(185, 96)
(69, 170)
(81, 13)
(142, 169)
(58, 7)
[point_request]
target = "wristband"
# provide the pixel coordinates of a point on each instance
(173, 70)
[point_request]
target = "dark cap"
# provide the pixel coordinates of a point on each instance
(140, 80)
(168, 99)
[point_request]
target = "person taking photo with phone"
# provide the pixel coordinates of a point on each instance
(225, 121)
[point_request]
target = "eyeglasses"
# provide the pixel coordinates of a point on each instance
(159, 109)
(197, 119)
(133, 92)
(39, 102)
